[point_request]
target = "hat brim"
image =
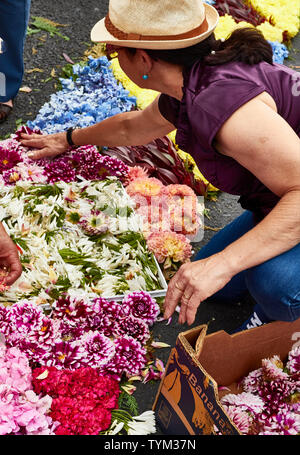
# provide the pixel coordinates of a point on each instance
(100, 34)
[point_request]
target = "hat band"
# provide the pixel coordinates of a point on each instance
(117, 33)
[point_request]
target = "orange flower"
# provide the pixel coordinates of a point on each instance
(145, 187)
(171, 245)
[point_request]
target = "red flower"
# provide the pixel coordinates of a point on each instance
(82, 399)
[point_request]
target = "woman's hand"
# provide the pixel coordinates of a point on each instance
(47, 146)
(193, 283)
(9, 259)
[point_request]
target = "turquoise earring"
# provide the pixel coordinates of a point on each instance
(145, 77)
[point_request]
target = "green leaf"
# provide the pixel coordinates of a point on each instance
(42, 23)
(21, 242)
(74, 258)
(128, 403)
(46, 190)
(18, 192)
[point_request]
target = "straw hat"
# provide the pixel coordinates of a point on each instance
(156, 24)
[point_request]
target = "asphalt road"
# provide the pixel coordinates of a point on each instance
(43, 55)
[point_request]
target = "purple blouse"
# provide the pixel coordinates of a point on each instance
(211, 94)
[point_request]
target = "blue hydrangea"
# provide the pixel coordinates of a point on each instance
(280, 52)
(94, 96)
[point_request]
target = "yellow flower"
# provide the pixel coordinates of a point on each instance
(227, 25)
(270, 32)
(284, 14)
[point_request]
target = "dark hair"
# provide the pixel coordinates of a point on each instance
(245, 45)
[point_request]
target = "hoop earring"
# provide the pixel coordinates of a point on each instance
(145, 77)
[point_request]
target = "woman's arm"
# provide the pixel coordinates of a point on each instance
(129, 128)
(263, 142)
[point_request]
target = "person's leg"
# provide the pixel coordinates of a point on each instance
(275, 286)
(14, 16)
(236, 288)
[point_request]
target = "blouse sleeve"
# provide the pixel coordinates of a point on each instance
(215, 104)
(169, 108)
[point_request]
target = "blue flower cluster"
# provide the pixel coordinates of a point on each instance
(280, 52)
(91, 96)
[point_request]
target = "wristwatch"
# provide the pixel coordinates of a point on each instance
(69, 136)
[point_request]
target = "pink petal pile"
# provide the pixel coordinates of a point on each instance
(22, 411)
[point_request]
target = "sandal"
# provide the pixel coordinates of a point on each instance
(5, 110)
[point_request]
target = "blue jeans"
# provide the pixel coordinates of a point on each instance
(14, 16)
(274, 285)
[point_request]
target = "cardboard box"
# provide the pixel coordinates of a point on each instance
(188, 401)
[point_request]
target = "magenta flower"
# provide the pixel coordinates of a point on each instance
(24, 319)
(98, 349)
(65, 355)
(105, 316)
(240, 418)
(34, 351)
(252, 380)
(134, 327)
(69, 309)
(27, 327)
(141, 305)
(8, 159)
(130, 357)
(3, 319)
(92, 166)
(59, 170)
(281, 424)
